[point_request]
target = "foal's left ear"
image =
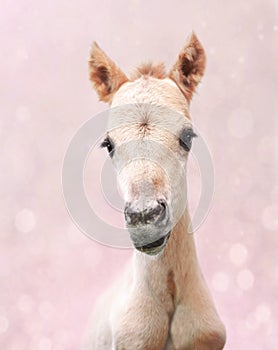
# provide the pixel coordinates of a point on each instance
(190, 66)
(104, 74)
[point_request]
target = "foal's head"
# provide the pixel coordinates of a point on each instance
(149, 137)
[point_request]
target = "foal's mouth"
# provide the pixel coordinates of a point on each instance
(154, 247)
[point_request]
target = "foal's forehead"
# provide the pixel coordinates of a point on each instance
(148, 100)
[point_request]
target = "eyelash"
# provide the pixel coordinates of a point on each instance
(185, 139)
(108, 144)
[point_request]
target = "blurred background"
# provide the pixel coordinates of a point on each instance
(51, 273)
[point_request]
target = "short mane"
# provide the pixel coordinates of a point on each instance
(156, 70)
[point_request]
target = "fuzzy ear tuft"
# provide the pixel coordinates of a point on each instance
(190, 66)
(104, 74)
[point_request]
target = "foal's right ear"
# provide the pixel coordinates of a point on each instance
(104, 74)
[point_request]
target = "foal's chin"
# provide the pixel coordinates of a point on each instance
(155, 248)
(151, 246)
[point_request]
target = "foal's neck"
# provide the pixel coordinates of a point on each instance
(180, 251)
(179, 260)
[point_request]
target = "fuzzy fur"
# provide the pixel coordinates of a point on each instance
(160, 303)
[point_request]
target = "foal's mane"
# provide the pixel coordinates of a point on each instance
(150, 69)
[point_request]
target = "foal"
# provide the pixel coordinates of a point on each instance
(162, 301)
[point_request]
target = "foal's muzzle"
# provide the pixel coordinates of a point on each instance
(148, 223)
(155, 213)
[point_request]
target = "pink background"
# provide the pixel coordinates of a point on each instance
(50, 273)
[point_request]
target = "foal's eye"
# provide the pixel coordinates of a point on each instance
(108, 144)
(186, 138)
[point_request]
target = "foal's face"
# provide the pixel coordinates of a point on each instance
(149, 138)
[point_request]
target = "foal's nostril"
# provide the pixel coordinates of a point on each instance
(128, 213)
(163, 209)
(151, 214)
